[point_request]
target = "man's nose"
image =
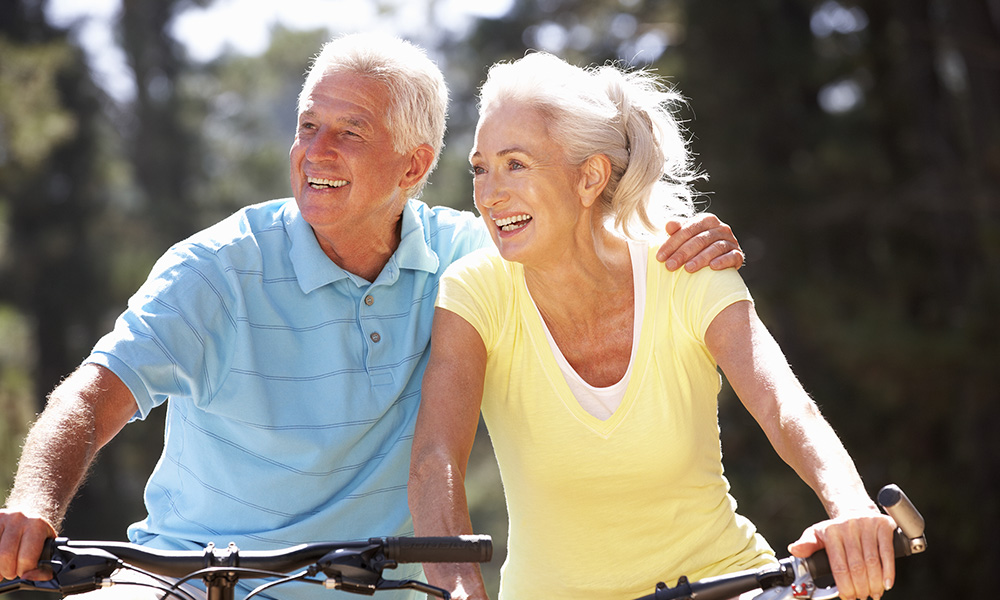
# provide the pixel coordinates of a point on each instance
(323, 146)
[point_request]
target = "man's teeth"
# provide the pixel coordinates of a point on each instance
(318, 182)
(512, 223)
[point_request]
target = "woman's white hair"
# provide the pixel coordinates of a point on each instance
(627, 116)
(415, 87)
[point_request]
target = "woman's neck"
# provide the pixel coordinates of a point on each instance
(590, 278)
(588, 305)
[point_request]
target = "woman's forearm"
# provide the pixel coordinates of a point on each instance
(439, 507)
(761, 376)
(445, 432)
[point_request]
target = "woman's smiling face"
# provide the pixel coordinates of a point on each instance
(523, 186)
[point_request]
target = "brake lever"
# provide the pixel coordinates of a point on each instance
(409, 584)
(79, 570)
(19, 585)
(360, 572)
(802, 587)
(351, 570)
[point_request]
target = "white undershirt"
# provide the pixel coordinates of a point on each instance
(601, 402)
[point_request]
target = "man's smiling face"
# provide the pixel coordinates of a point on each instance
(345, 171)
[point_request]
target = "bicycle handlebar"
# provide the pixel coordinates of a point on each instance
(80, 565)
(178, 563)
(800, 578)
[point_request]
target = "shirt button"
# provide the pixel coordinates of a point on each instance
(375, 337)
(369, 300)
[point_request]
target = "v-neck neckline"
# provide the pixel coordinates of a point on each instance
(545, 347)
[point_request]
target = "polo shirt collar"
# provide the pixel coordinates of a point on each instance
(314, 269)
(414, 252)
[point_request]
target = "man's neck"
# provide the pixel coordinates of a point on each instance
(359, 252)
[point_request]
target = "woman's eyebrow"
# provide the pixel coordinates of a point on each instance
(502, 153)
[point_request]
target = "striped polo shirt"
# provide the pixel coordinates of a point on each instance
(291, 385)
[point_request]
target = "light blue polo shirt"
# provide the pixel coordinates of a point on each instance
(291, 385)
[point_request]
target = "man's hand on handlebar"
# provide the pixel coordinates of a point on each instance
(860, 551)
(22, 536)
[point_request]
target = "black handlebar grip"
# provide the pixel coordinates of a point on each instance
(47, 549)
(819, 567)
(899, 507)
(462, 548)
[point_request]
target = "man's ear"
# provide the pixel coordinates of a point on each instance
(594, 176)
(421, 159)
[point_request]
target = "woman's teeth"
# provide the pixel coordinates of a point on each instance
(512, 223)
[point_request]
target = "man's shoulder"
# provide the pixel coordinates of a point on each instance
(249, 227)
(241, 242)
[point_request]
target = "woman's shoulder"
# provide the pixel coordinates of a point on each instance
(485, 262)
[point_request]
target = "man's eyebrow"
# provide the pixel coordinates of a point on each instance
(356, 122)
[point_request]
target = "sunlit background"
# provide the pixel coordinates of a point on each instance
(854, 146)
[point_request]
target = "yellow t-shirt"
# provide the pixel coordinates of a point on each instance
(606, 509)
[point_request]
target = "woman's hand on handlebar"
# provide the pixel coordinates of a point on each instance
(860, 550)
(22, 537)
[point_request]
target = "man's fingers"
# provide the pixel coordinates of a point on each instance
(728, 258)
(27, 562)
(701, 248)
(699, 242)
(8, 555)
(21, 541)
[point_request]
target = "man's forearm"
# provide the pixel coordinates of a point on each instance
(83, 413)
(57, 454)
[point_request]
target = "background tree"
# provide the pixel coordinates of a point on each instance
(854, 145)
(52, 174)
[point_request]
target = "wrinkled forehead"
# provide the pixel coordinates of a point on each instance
(367, 90)
(512, 124)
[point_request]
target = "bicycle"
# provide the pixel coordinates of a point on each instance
(355, 567)
(797, 578)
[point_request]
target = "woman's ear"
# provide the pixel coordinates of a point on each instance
(594, 175)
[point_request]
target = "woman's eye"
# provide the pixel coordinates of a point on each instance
(475, 170)
(515, 165)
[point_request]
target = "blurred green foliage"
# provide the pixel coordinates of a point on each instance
(853, 145)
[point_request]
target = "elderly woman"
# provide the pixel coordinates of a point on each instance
(595, 371)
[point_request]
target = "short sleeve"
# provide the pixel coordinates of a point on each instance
(175, 337)
(477, 289)
(699, 297)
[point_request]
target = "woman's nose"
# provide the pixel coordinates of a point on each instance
(488, 192)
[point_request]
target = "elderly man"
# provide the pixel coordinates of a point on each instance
(289, 340)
